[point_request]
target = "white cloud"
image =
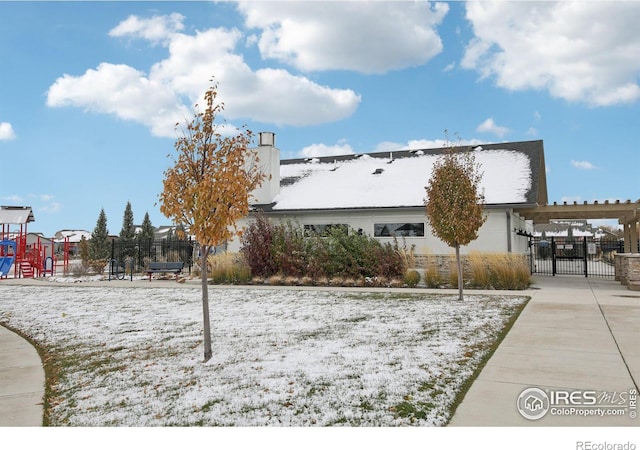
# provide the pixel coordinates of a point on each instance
(578, 51)
(6, 131)
(449, 67)
(532, 131)
(489, 126)
(157, 29)
(124, 92)
(316, 150)
(50, 208)
(584, 165)
(157, 99)
(322, 35)
(16, 199)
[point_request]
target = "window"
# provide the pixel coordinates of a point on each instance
(324, 229)
(398, 229)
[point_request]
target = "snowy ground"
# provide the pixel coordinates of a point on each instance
(280, 357)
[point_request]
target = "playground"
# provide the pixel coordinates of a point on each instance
(28, 255)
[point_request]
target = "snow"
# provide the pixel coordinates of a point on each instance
(280, 357)
(353, 184)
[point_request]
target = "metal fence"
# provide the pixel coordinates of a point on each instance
(585, 256)
(134, 257)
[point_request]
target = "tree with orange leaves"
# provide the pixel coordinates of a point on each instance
(209, 186)
(454, 204)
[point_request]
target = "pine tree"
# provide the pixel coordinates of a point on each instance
(454, 204)
(128, 232)
(147, 232)
(99, 245)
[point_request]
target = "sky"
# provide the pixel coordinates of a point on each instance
(90, 92)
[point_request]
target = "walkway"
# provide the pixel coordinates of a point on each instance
(574, 334)
(21, 382)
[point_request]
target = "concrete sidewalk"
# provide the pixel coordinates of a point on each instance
(574, 334)
(21, 382)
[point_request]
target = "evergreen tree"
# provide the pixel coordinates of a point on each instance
(99, 245)
(128, 232)
(147, 231)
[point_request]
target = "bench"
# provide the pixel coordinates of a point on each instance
(165, 267)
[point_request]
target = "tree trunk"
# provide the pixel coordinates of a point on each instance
(205, 302)
(460, 281)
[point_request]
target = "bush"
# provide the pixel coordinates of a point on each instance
(412, 278)
(283, 249)
(256, 247)
(432, 277)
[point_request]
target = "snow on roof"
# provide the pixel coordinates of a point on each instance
(367, 181)
(74, 236)
(16, 215)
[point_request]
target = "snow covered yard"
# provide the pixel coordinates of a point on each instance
(133, 356)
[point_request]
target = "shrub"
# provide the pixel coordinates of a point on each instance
(283, 249)
(256, 247)
(412, 278)
(432, 277)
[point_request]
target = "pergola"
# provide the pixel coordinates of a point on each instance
(627, 213)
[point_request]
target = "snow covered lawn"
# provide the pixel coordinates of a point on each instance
(133, 356)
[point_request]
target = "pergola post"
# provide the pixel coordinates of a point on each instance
(631, 237)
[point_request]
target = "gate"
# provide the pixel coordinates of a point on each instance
(584, 255)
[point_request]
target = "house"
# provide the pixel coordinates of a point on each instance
(572, 228)
(72, 240)
(382, 194)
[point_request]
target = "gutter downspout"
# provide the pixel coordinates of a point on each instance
(509, 230)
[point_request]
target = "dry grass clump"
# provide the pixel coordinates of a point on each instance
(412, 278)
(432, 277)
(499, 271)
(228, 268)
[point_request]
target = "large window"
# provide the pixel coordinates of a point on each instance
(398, 229)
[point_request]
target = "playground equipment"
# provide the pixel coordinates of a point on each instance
(7, 256)
(30, 254)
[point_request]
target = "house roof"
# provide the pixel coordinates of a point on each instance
(15, 215)
(74, 236)
(513, 174)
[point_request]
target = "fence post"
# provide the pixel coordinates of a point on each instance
(585, 256)
(553, 256)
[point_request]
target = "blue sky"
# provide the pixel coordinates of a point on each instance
(90, 91)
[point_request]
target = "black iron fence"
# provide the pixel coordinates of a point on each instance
(583, 255)
(135, 256)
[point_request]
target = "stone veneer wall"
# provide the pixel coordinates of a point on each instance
(628, 270)
(445, 264)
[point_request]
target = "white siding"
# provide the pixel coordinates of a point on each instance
(492, 237)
